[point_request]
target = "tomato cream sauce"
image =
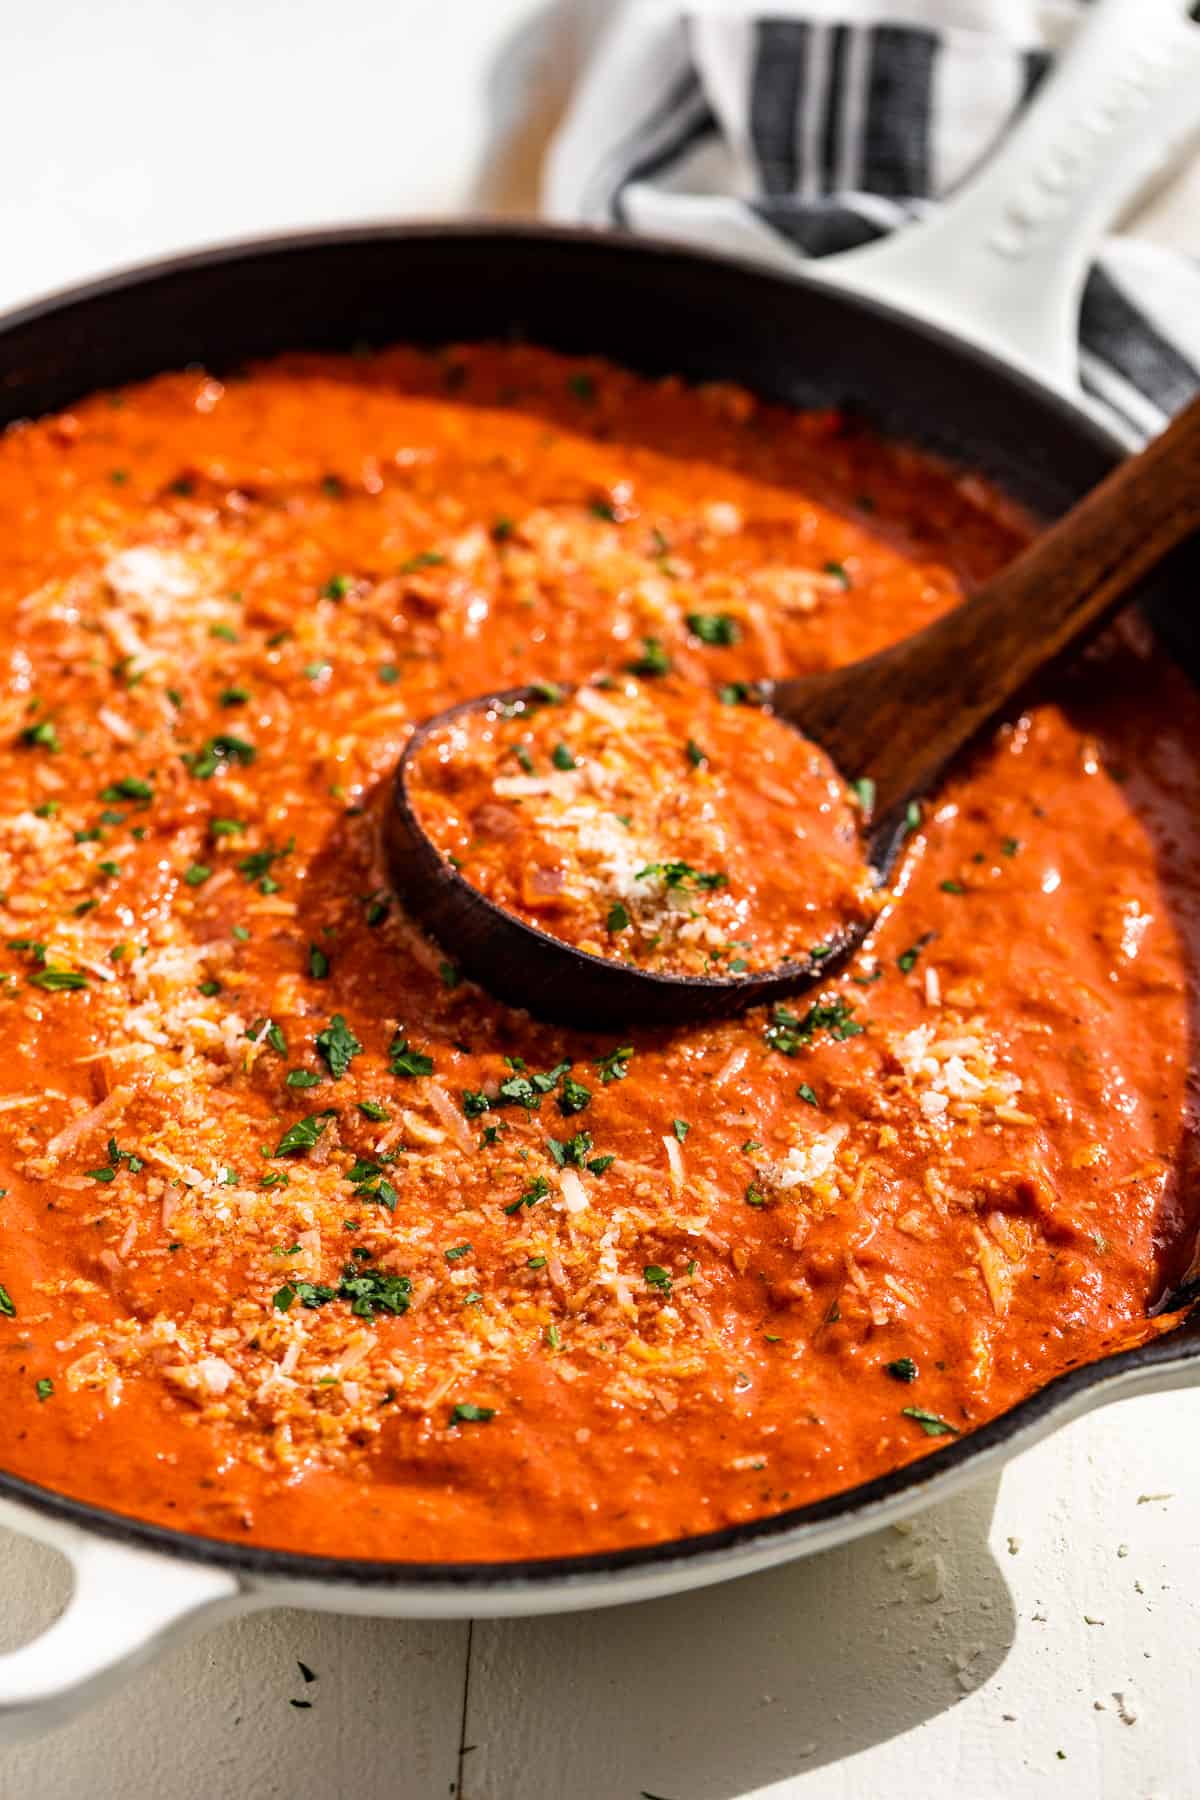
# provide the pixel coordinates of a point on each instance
(647, 821)
(307, 1242)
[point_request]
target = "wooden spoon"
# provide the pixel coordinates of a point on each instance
(895, 719)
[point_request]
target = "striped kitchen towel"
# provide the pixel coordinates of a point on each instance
(816, 130)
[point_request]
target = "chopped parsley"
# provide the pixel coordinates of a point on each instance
(338, 1046)
(839, 571)
(618, 917)
(218, 753)
(682, 876)
(864, 791)
(43, 1388)
(903, 1369)
(302, 1078)
(424, 559)
(7, 1308)
(788, 1033)
(929, 1422)
(305, 1133)
(615, 1066)
(371, 1109)
(258, 864)
(318, 963)
(197, 874)
(952, 887)
(573, 1097)
(369, 1291)
(457, 1253)
(681, 1128)
(129, 787)
(574, 1150)
(714, 628)
(42, 736)
(804, 1092)
(562, 758)
(653, 660)
(658, 1278)
(405, 1061)
(56, 981)
(740, 693)
(906, 961)
(695, 755)
(530, 1196)
(467, 1413)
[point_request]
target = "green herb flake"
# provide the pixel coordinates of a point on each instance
(371, 1109)
(907, 959)
(788, 1034)
(318, 963)
(562, 758)
(952, 887)
(338, 1046)
(7, 1308)
(658, 1278)
(43, 1388)
(405, 1061)
(618, 917)
(839, 572)
(720, 629)
(929, 1422)
(903, 1369)
(615, 1066)
(304, 1134)
(196, 874)
(457, 1253)
(218, 753)
(653, 661)
(681, 1128)
(804, 1092)
(42, 736)
(465, 1412)
(57, 981)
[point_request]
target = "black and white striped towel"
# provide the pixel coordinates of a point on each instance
(819, 129)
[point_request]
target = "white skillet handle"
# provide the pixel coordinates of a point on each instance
(125, 1605)
(1003, 263)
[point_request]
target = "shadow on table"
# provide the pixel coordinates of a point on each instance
(718, 1693)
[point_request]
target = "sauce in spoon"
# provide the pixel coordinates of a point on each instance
(649, 822)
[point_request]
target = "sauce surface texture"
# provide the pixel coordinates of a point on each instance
(646, 821)
(307, 1242)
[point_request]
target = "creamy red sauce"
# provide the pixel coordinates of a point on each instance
(650, 822)
(305, 1240)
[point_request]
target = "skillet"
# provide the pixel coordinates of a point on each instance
(658, 309)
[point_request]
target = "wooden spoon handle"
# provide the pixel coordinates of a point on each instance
(901, 715)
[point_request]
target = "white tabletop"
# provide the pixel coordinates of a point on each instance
(1036, 1636)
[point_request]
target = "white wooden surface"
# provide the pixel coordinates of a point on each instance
(1035, 1637)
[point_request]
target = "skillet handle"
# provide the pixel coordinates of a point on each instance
(125, 1605)
(1003, 263)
